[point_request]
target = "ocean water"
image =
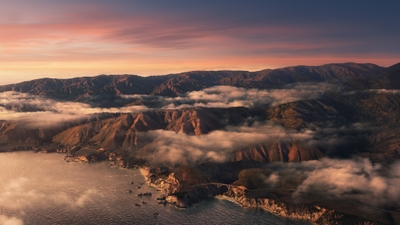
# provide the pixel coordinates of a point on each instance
(43, 189)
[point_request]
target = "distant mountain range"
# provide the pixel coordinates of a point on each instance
(218, 123)
(370, 75)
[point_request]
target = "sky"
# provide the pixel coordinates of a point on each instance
(63, 39)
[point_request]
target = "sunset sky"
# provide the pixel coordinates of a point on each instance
(60, 39)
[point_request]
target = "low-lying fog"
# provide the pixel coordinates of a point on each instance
(351, 179)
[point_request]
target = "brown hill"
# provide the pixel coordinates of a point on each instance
(122, 132)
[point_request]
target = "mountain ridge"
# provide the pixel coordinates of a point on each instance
(175, 84)
(355, 107)
(216, 126)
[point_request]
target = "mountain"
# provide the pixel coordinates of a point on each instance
(106, 86)
(119, 130)
(390, 80)
(231, 127)
(363, 104)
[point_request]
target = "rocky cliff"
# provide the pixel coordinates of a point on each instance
(279, 202)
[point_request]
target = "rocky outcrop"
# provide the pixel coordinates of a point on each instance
(79, 158)
(293, 211)
(172, 193)
(313, 213)
(83, 154)
(168, 185)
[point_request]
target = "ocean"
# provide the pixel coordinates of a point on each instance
(43, 189)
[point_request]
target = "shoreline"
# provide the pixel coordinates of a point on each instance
(312, 213)
(236, 199)
(226, 198)
(168, 187)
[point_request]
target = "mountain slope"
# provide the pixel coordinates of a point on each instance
(353, 122)
(345, 117)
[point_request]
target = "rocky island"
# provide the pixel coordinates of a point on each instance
(290, 140)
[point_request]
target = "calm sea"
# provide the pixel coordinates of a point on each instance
(43, 189)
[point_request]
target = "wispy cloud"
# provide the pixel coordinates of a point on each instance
(216, 146)
(333, 137)
(373, 91)
(25, 102)
(357, 180)
(222, 145)
(229, 96)
(37, 110)
(46, 112)
(17, 195)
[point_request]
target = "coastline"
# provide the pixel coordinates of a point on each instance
(237, 196)
(145, 171)
(169, 188)
(226, 198)
(313, 213)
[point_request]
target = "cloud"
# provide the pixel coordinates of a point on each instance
(216, 146)
(336, 138)
(229, 96)
(23, 106)
(373, 91)
(37, 110)
(18, 195)
(45, 112)
(25, 102)
(4, 220)
(221, 145)
(356, 180)
(15, 105)
(271, 180)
